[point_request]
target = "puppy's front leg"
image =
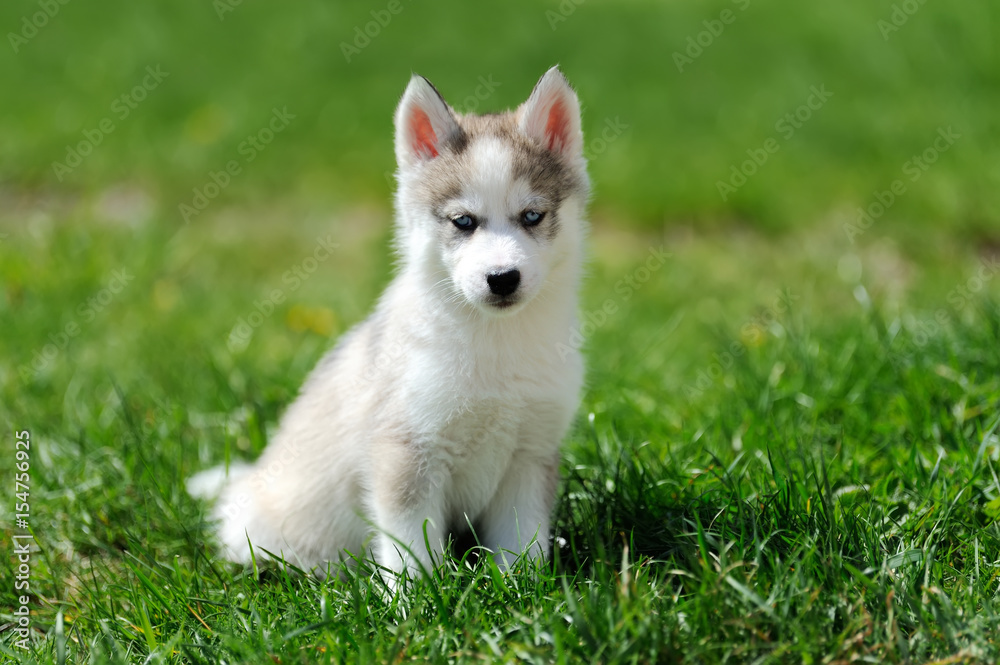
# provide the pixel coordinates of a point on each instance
(518, 517)
(406, 503)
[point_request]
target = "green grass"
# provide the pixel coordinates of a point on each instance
(788, 448)
(685, 129)
(830, 494)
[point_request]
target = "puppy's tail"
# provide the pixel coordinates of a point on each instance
(209, 484)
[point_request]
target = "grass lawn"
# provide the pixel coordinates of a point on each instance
(788, 450)
(794, 469)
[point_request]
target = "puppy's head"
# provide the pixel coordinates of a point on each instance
(491, 203)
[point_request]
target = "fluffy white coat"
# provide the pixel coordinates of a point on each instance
(447, 406)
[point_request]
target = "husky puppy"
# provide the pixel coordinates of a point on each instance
(446, 407)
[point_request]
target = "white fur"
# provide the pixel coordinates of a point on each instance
(501, 246)
(439, 408)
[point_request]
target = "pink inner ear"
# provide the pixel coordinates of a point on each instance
(424, 139)
(557, 127)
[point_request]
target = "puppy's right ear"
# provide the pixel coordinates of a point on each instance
(424, 124)
(551, 115)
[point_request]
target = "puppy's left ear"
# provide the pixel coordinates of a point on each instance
(424, 124)
(551, 115)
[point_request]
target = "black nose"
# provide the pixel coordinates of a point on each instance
(504, 283)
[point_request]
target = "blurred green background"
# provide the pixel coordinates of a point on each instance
(230, 64)
(676, 97)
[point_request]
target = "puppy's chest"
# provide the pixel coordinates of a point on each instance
(476, 431)
(473, 449)
(479, 394)
(477, 413)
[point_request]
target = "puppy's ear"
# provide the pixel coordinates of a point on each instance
(551, 115)
(424, 124)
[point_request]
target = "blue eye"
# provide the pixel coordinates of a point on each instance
(532, 217)
(464, 222)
